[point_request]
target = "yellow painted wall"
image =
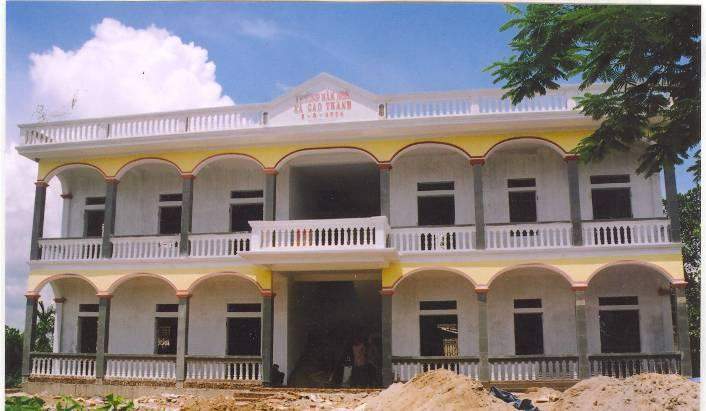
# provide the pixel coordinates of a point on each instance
(269, 156)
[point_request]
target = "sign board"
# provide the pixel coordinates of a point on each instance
(323, 105)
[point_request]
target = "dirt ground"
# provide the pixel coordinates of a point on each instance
(446, 391)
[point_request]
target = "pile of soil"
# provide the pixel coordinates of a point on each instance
(639, 392)
(434, 391)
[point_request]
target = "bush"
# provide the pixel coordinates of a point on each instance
(13, 356)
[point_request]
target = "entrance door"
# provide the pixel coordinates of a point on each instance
(243, 336)
(88, 334)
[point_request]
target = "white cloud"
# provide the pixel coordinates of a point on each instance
(121, 70)
(124, 70)
(262, 29)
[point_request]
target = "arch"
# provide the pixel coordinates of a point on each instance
(56, 277)
(114, 286)
(531, 265)
(539, 140)
(433, 268)
(145, 160)
(222, 156)
(447, 146)
(69, 166)
(292, 154)
(236, 274)
(668, 277)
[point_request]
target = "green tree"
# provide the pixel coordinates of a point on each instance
(690, 219)
(43, 340)
(648, 58)
(13, 356)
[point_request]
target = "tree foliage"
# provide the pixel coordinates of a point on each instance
(13, 356)
(45, 328)
(647, 59)
(690, 219)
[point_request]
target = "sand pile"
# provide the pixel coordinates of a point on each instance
(436, 390)
(639, 392)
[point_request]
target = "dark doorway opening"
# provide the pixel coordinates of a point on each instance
(327, 319)
(166, 335)
(243, 336)
(620, 331)
(88, 334)
(529, 334)
(438, 335)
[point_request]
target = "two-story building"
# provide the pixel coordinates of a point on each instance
(446, 229)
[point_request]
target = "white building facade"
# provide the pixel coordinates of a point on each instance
(444, 229)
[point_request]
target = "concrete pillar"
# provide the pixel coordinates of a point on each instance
(111, 196)
(572, 173)
(103, 334)
(477, 166)
(385, 170)
(386, 338)
(182, 336)
(581, 333)
(40, 199)
(670, 188)
(683, 339)
(58, 323)
(270, 195)
(268, 298)
(483, 364)
(29, 334)
(66, 214)
(187, 206)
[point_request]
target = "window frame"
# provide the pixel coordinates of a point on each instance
(424, 312)
(534, 310)
(156, 332)
(608, 187)
(620, 307)
(241, 314)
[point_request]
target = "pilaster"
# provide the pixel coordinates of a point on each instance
(187, 205)
(40, 198)
(111, 196)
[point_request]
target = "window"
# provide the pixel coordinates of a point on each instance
(169, 197)
(243, 336)
(610, 179)
(167, 308)
(620, 331)
(632, 300)
(436, 210)
(93, 223)
(166, 335)
(244, 308)
(88, 308)
(528, 303)
(437, 305)
(95, 200)
(521, 182)
(611, 203)
(435, 186)
(170, 220)
(241, 214)
(523, 206)
(529, 337)
(87, 334)
(438, 335)
(246, 194)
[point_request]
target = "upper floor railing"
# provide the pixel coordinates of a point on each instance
(231, 118)
(362, 234)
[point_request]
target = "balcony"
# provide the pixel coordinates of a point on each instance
(357, 240)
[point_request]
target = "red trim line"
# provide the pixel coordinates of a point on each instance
(482, 289)
(31, 295)
(226, 155)
(183, 294)
(267, 293)
(385, 166)
(112, 180)
(679, 284)
(104, 294)
(188, 176)
(67, 195)
(41, 184)
(398, 152)
(561, 150)
(60, 300)
(270, 171)
(73, 164)
(387, 291)
(477, 161)
(146, 158)
(571, 157)
(326, 148)
(579, 287)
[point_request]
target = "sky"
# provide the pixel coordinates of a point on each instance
(72, 60)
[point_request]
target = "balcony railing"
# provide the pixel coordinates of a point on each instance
(140, 367)
(335, 234)
(518, 236)
(360, 234)
(63, 365)
(632, 232)
(625, 365)
(406, 368)
(411, 106)
(533, 367)
(433, 239)
(243, 368)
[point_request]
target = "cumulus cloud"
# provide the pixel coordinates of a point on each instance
(120, 70)
(124, 70)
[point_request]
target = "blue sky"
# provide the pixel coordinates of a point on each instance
(259, 50)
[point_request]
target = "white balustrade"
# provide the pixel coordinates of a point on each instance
(433, 239)
(409, 106)
(533, 368)
(218, 245)
(141, 368)
(335, 234)
(63, 366)
(626, 365)
(166, 246)
(229, 369)
(64, 249)
(406, 368)
(517, 236)
(618, 233)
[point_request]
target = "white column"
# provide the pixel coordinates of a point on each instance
(66, 214)
(58, 323)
